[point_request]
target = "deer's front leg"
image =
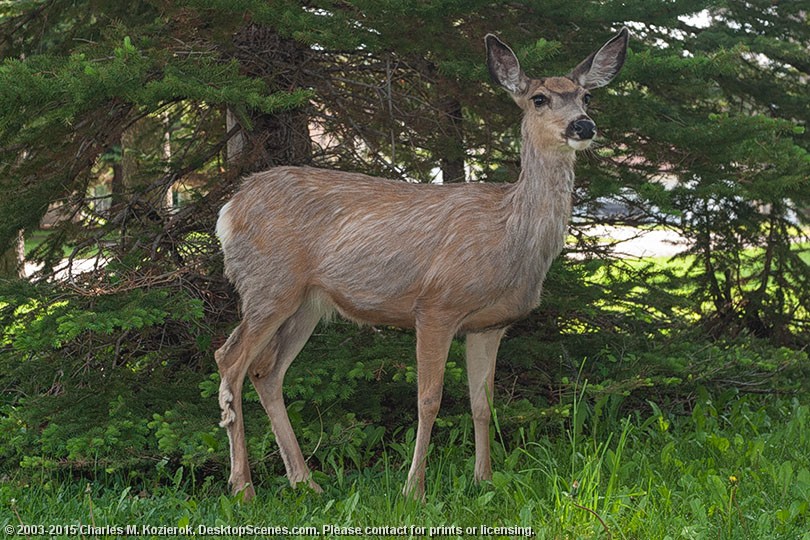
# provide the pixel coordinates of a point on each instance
(482, 350)
(432, 344)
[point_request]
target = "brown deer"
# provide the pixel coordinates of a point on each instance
(464, 259)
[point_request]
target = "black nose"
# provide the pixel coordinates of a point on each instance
(584, 128)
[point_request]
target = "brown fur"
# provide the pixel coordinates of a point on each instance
(301, 242)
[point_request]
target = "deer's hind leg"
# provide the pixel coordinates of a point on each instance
(267, 376)
(234, 359)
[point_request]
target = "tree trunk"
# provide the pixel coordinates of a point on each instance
(236, 144)
(12, 261)
(145, 150)
(141, 196)
(117, 186)
(451, 143)
(281, 138)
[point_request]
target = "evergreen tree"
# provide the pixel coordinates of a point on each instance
(704, 132)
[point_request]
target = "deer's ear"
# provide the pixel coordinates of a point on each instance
(504, 66)
(602, 66)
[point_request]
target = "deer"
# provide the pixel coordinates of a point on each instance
(301, 243)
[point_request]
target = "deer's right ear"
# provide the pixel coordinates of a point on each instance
(504, 66)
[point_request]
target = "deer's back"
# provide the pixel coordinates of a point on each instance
(375, 247)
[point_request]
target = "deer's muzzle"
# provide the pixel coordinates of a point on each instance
(583, 128)
(580, 133)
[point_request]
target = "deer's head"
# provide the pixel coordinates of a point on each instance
(555, 108)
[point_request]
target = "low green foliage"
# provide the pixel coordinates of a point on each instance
(736, 467)
(609, 418)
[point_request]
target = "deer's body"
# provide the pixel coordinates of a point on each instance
(359, 244)
(466, 259)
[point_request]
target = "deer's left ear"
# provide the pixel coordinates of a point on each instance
(602, 66)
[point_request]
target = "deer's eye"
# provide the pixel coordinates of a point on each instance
(586, 99)
(539, 100)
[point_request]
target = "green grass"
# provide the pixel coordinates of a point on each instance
(650, 455)
(736, 467)
(675, 277)
(34, 239)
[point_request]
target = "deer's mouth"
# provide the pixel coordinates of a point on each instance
(578, 144)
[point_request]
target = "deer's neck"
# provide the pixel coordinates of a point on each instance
(541, 199)
(539, 210)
